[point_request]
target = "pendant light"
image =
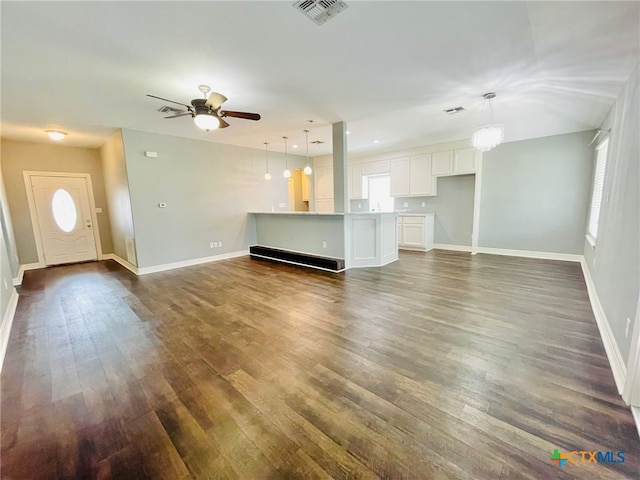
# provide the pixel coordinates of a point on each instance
(488, 136)
(267, 175)
(287, 172)
(307, 170)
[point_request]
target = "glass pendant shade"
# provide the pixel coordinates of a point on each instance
(267, 176)
(206, 122)
(307, 170)
(488, 136)
(286, 173)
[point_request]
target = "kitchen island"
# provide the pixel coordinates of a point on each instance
(358, 239)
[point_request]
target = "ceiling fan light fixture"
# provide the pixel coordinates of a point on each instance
(486, 137)
(56, 135)
(206, 121)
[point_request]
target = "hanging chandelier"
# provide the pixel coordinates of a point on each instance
(488, 136)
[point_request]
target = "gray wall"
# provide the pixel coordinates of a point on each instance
(614, 263)
(302, 233)
(208, 188)
(535, 194)
(18, 157)
(453, 206)
(117, 193)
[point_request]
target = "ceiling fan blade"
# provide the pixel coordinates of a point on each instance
(180, 115)
(223, 124)
(245, 115)
(167, 100)
(215, 100)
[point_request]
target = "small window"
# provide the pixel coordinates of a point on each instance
(64, 210)
(379, 189)
(598, 187)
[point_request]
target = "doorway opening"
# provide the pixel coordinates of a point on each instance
(298, 185)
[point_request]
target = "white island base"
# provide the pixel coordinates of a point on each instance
(360, 239)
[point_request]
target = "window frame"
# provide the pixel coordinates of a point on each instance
(597, 190)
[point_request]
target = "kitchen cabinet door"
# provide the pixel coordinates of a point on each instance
(420, 171)
(442, 163)
(464, 161)
(324, 182)
(400, 169)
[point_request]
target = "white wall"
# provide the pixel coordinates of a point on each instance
(614, 263)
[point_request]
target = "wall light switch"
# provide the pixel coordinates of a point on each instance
(98, 210)
(324, 244)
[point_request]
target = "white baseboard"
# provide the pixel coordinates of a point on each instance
(618, 366)
(23, 268)
(567, 257)
(188, 263)
(635, 411)
(453, 248)
(7, 323)
(112, 256)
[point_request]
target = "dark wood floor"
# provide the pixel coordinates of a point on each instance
(441, 365)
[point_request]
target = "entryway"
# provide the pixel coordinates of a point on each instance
(63, 217)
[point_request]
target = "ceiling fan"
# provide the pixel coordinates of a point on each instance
(206, 111)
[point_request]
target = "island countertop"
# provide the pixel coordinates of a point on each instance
(324, 213)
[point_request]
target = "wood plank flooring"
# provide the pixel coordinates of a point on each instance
(438, 366)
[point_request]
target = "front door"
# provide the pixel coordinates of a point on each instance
(64, 218)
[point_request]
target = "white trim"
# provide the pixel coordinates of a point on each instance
(631, 393)
(23, 268)
(635, 411)
(567, 257)
(591, 240)
(189, 263)
(477, 196)
(616, 361)
(453, 248)
(297, 263)
(7, 323)
(34, 217)
(129, 266)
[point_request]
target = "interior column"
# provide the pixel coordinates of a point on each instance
(340, 191)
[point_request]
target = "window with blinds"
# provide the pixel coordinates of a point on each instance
(598, 186)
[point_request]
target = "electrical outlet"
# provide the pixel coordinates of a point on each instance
(424, 204)
(220, 244)
(405, 204)
(627, 328)
(282, 205)
(324, 244)
(210, 244)
(215, 244)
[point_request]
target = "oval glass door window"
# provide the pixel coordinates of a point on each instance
(64, 210)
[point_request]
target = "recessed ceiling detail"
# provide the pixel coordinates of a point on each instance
(319, 11)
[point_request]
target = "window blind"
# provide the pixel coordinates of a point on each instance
(598, 187)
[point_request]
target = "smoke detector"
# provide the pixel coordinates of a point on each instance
(319, 11)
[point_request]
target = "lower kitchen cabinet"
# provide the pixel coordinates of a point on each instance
(415, 232)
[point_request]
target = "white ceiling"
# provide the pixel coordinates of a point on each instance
(387, 68)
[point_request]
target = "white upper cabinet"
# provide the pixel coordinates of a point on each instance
(464, 161)
(442, 163)
(400, 170)
(454, 162)
(411, 176)
(420, 175)
(376, 168)
(324, 182)
(355, 181)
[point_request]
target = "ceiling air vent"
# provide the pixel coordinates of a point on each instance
(453, 111)
(168, 109)
(320, 10)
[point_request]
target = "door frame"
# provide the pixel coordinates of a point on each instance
(631, 392)
(34, 217)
